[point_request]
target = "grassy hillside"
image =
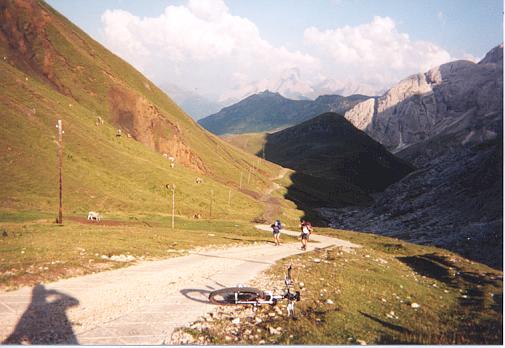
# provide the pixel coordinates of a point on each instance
(50, 70)
(334, 162)
(386, 292)
(252, 143)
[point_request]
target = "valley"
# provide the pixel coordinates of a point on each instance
(404, 191)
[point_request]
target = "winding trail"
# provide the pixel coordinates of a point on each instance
(140, 304)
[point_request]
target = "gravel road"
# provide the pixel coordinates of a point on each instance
(140, 304)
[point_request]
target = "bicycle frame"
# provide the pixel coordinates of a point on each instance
(272, 299)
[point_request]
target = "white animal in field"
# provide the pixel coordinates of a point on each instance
(94, 216)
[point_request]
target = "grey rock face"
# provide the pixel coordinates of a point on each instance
(424, 104)
(448, 122)
(454, 202)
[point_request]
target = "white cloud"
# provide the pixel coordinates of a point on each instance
(200, 45)
(441, 17)
(375, 52)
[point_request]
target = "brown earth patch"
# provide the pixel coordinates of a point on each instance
(138, 117)
(23, 28)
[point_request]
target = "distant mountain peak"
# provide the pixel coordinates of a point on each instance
(494, 56)
(269, 110)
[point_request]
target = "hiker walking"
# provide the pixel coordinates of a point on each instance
(306, 228)
(276, 230)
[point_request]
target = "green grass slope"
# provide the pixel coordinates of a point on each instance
(334, 162)
(249, 142)
(50, 70)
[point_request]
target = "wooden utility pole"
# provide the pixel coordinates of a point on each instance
(172, 188)
(60, 167)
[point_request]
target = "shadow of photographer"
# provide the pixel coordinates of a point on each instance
(45, 320)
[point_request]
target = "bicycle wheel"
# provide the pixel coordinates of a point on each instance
(226, 296)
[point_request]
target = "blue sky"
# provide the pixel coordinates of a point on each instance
(449, 29)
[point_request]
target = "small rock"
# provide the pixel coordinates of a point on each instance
(273, 331)
(328, 301)
(446, 291)
(227, 338)
(415, 305)
(383, 300)
(258, 320)
(211, 235)
(236, 321)
(261, 342)
(361, 342)
(301, 284)
(317, 260)
(271, 314)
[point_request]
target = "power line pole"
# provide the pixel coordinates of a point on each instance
(60, 167)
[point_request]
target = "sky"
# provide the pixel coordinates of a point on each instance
(226, 49)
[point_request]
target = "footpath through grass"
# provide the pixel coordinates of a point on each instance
(34, 249)
(387, 292)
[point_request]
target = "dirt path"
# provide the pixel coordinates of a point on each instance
(141, 304)
(272, 204)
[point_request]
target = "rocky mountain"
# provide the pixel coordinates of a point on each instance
(344, 88)
(422, 105)
(335, 163)
(292, 85)
(268, 111)
(452, 132)
(120, 129)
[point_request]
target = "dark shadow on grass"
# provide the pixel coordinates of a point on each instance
(477, 279)
(335, 164)
(428, 265)
(497, 305)
(45, 321)
(197, 295)
(397, 328)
